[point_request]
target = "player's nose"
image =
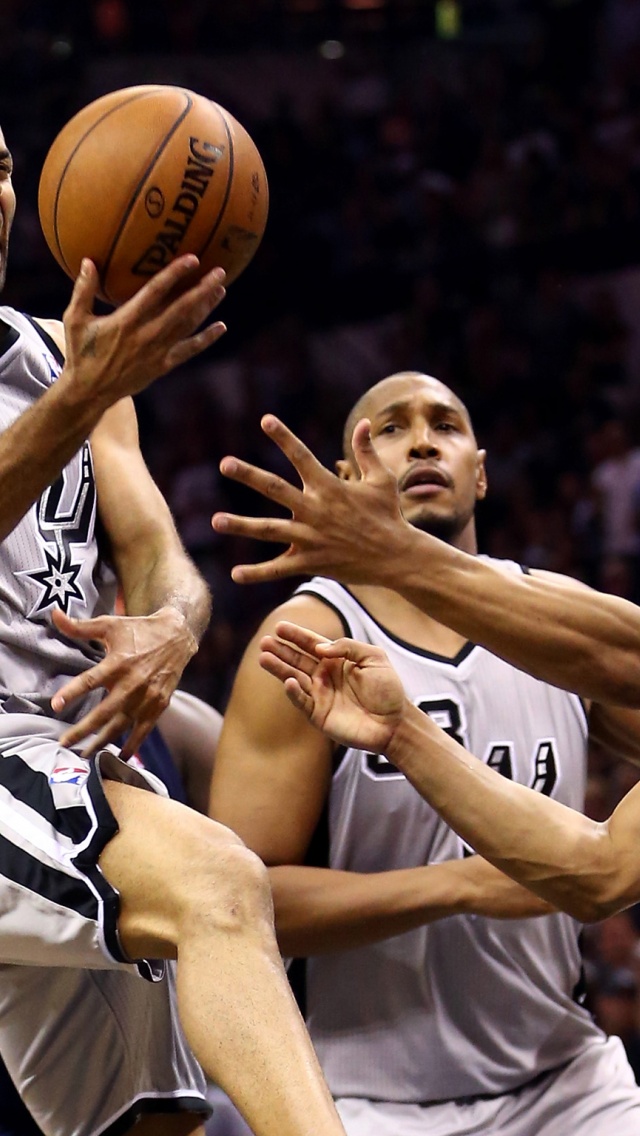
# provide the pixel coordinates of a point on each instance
(423, 441)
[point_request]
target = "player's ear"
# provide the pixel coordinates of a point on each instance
(481, 476)
(345, 470)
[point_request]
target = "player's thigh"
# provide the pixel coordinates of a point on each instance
(166, 862)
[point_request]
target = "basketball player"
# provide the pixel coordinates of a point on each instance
(102, 875)
(434, 1005)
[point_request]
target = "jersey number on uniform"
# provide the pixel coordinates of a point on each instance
(447, 714)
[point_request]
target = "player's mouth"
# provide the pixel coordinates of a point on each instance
(424, 480)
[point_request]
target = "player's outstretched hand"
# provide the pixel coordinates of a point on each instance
(347, 689)
(121, 353)
(145, 657)
(342, 529)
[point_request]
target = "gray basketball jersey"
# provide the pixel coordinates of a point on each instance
(51, 559)
(467, 1005)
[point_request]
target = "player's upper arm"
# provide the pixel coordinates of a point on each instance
(132, 509)
(272, 769)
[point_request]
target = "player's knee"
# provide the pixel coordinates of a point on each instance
(227, 885)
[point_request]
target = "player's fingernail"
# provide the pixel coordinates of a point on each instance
(219, 522)
(57, 703)
(219, 274)
(228, 466)
(85, 266)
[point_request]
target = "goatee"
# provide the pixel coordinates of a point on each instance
(444, 528)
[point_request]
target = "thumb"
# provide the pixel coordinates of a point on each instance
(367, 460)
(80, 628)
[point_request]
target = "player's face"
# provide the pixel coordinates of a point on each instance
(7, 206)
(422, 433)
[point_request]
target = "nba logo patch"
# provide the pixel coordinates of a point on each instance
(68, 775)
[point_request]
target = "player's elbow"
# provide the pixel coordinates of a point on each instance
(599, 887)
(612, 676)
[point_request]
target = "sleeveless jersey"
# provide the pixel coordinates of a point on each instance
(468, 1005)
(51, 559)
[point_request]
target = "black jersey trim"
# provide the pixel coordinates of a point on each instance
(454, 661)
(307, 590)
(449, 660)
(8, 340)
(157, 1106)
(46, 338)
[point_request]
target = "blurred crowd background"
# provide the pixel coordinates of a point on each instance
(455, 188)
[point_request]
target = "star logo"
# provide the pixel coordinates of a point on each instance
(58, 582)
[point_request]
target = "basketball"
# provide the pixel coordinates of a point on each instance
(145, 174)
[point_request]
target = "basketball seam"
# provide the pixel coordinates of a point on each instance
(127, 213)
(227, 190)
(132, 99)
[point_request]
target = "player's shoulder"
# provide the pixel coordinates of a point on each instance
(309, 611)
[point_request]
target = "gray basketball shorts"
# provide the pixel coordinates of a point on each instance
(595, 1094)
(90, 1045)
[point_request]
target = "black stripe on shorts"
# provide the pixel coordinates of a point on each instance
(50, 883)
(31, 786)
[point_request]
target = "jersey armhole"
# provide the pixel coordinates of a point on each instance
(304, 591)
(47, 339)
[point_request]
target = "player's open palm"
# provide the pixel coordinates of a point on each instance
(347, 689)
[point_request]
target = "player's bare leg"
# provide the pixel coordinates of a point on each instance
(189, 888)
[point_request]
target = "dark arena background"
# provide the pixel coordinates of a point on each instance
(455, 188)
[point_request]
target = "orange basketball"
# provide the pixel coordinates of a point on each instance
(145, 174)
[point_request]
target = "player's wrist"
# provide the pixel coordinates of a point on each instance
(404, 735)
(176, 620)
(82, 402)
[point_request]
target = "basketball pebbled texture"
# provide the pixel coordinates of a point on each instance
(145, 174)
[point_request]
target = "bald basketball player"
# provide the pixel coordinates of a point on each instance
(434, 1003)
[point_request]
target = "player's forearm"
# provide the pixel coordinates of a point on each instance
(559, 854)
(160, 577)
(573, 638)
(39, 444)
(319, 910)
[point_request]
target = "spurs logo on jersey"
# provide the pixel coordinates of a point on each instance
(51, 558)
(62, 527)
